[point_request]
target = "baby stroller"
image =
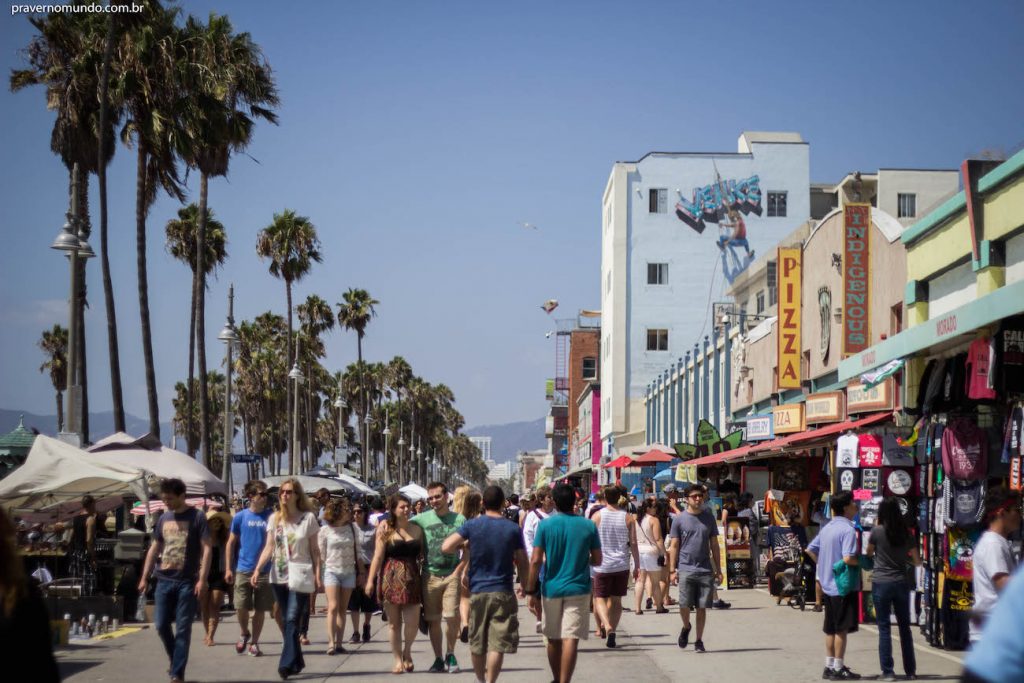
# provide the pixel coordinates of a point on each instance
(797, 578)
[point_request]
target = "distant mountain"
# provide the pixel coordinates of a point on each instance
(509, 439)
(100, 424)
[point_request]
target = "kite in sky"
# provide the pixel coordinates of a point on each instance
(550, 305)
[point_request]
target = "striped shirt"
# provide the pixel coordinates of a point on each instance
(614, 535)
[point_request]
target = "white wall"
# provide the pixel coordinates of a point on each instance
(1015, 259)
(953, 288)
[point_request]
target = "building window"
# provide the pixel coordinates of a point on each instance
(907, 205)
(773, 284)
(657, 273)
(657, 200)
(896, 319)
(590, 368)
(657, 340)
(759, 308)
(777, 204)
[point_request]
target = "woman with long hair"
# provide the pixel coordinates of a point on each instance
(362, 602)
(651, 544)
(210, 603)
(459, 498)
(469, 506)
(339, 546)
(396, 558)
(295, 570)
(894, 548)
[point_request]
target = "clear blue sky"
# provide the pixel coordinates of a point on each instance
(417, 135)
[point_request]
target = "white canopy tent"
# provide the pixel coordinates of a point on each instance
(147, 454)
(414, 492)
(310, 485)
(56, 476)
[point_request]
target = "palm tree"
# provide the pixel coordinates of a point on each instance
(65, 57)
(355, 314)
(291, 244)
(148, 84)
(54, 344)
(183, 244)
(261, 379)
(182, 423)
(315, 318)
(227, 84)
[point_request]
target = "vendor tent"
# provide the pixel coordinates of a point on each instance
(147, 454)
(355, 483)
(414, 492)
(311, 485)
(59, 474)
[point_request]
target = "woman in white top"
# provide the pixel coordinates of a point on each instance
(543, 507)
(339, 541)
(292, 547)
(651, 545)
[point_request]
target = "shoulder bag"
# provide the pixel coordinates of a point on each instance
(300, 574)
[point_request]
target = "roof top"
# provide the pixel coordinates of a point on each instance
(19, 437)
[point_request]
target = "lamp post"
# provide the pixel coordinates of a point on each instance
(230, 338)
(368, 421)
(74, 245)
(295, 374)
(401, 450)
(421, 470)
(340, 404)
(387, 434)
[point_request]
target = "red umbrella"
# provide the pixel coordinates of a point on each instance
(652, 457)
(621, 461)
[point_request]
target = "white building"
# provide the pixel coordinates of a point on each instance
(498, 472)
(484, 444)
(661, 264)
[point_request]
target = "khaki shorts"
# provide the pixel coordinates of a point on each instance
(493, 623)
(260, 599)
(440, 597)
(567, 617)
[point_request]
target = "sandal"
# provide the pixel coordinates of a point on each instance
(330, 650)
(409, 666)
(398, 669)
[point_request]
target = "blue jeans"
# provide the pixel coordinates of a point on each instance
(295, 609)
(893, 597)
(175, 600)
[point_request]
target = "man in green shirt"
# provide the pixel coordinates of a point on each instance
(441, 580)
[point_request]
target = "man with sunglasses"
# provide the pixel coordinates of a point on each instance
(694, 557)
(248, 536)
(440, 581)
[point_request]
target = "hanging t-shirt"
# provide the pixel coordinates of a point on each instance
(964, 450)
(1012, 434)
(846, 451)
(870, 450)
(1009, 347)
(894, 454)
(847, 479)
(979, 368)
(957, 601)
(964, 502)
(1016, 463)
(897, 481)
(870, 479)
(933, 390)
(959, 553)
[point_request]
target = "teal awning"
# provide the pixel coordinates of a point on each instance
(993, 307)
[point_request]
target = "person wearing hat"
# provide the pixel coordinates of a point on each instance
(672, 497)
(219, 524)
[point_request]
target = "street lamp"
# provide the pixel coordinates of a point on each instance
(295, 374)
(421, 466)
(73, 244)
(401, 449)
(230, 338)
(368, 421)
(340, 404)
(387, 435)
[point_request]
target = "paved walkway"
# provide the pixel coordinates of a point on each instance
(754, 641)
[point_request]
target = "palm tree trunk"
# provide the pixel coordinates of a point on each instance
(60, 411)
(108, 286)
(309, 419)
(140, 262)
(288, 383)
(83, 368)
(190, 394)
(362, 408)
(204, 390)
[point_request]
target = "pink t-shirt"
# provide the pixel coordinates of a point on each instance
(870, 447)
(979, 368)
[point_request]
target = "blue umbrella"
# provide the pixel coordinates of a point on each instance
(667, 473)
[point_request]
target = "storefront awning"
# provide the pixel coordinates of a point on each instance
(993, 307)
(800, 439)
(581, 469)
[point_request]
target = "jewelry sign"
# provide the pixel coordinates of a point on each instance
(789, 267)
(856, 278)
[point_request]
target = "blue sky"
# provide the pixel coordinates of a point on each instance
(418, 135)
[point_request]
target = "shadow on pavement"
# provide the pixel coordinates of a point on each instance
(69, 668)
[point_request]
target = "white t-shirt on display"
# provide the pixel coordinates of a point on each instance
(846, 451)
(992, 556)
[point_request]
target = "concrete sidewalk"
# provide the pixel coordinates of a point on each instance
(754, 641)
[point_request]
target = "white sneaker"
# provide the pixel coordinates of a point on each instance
(539, 629)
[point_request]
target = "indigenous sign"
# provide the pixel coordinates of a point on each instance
(826, 407)
(708, 442)
(789, 418)
(789, 268)
(760, 427)
(856, 278)
(862, 400)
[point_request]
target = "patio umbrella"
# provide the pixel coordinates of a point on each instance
(653, 457)
(659, 447)
(621, 461)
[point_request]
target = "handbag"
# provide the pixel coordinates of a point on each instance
(661, 558)
(300, 574)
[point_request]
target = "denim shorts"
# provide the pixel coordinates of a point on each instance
(339, 579)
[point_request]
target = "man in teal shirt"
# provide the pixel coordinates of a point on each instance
(440, 581)
(567, 545)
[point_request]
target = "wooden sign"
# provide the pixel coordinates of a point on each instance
(861, 400)
(789, 418)
(856, 334)
(788, 271)
(826, 407)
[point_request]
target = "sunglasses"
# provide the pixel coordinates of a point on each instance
(435, 497)
(696, 496)
(288, 491)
